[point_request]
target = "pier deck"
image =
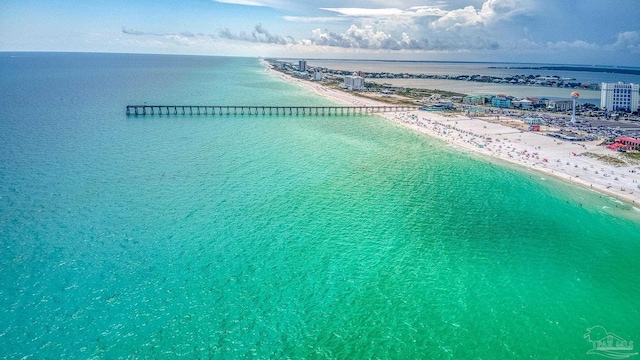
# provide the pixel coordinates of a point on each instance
(261, 110)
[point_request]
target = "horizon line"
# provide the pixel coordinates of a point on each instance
(317, 58)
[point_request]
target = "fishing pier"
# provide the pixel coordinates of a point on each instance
(145, 110)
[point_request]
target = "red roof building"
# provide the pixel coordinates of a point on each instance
(631, 143)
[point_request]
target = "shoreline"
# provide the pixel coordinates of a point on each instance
(534, 151)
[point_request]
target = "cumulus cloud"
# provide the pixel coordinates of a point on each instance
(180, 40)
(186, 34)
(392, 27)
(367, 37)
(415, 11)
(432, 22)
(457, 19)
(628, 41)
(132, 32)
(185, 38)
(490, 12)
(467, 16)
(493, 9)
(141, 33)
(571, 45)
(354, 37)
(428, 11)
(484, 28)
(258, 35)
(529, 45)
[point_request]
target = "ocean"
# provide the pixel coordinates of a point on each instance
(337, 237)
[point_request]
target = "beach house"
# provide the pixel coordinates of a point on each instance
(501, 101)
(523, 104)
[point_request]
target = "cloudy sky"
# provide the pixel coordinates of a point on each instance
(548, 31)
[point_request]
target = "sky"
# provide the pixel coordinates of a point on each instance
(589, 32)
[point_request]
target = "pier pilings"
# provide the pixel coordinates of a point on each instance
(252, 110)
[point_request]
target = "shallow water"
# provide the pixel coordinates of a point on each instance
(281, 236)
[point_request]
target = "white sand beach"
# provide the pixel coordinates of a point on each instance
(536, 151)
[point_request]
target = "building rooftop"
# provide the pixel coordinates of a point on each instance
(628, 139)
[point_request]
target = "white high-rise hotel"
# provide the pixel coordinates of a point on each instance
(353, 82)
(619, 96)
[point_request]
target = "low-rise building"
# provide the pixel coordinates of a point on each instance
(522, 104)
(561, 105)
(443, 104)
(541, 102)
(533, 121)
(631, 143)
(302, 75)
(501, 101)
(476, 111)
(474, 100)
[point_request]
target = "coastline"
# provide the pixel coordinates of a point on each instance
(546, 155)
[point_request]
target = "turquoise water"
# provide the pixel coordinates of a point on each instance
(282, 236)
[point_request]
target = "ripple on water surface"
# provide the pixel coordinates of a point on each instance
(335, 237)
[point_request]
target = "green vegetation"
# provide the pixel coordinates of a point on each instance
(632, 157)
(609, 159)
(623, 158)
(422, 93)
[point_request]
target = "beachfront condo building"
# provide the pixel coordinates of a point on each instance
(353, 82)
(302, 65)
(501, 101)
(619, 96)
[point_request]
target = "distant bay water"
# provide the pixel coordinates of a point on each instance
(280, 236)
(488, 69)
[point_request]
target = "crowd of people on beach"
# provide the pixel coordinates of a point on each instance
(494, 138)
(508, 144)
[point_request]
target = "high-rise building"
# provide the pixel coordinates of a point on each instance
(353, 82)
(302, 65)
(619, 96)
